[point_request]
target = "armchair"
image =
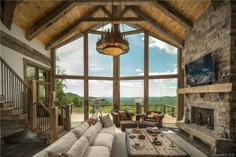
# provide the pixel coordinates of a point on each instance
(154, 117)
(121, 115)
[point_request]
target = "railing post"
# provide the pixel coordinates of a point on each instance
(173, 112)
(53, 124)
(52, 98)
(164, 109)
(68, 117)
(33, 108)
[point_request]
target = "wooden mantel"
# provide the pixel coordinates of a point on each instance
(216, 88)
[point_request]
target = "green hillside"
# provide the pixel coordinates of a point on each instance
(77, 100)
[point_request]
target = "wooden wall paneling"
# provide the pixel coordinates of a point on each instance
(146, 71)
(7, 12)
(86, 82)
(17, 45)
(48, 20)
(71, 28)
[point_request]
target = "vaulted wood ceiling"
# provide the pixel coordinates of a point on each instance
(53, 22)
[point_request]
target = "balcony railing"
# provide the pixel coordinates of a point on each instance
(167, 109)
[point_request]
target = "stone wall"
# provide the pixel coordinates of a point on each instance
(233, 69)
(212, 34)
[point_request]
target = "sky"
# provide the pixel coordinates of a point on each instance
(162, 60)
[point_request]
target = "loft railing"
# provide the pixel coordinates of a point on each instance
(14, 88)
(64, 117)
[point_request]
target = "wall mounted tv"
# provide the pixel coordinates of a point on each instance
(200, 71)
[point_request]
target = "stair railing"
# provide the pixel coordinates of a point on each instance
(64, 115)
(14, 88)
(42, 118)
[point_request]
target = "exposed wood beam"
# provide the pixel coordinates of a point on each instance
(124, 11)
(116, 21)
(174, 14)
(107, 12)
(71, 28)
(173, 43)
(48, 20)
(161, 29)
(19, 2)
(7, 12)
(74, 37)
(114, 2)
(17, 45)
(133, 32)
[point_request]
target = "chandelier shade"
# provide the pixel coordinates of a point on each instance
(113, 43)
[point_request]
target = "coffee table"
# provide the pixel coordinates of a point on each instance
(147, 149)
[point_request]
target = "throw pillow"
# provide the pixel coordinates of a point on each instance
(92, 121)
(79, 131)
(51, 154)
(106, 121)
(79, 147)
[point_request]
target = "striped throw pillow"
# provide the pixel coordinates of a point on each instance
(106, 121)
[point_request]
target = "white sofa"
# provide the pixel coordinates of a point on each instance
(84, 141)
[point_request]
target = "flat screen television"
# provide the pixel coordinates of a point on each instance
(200, 71)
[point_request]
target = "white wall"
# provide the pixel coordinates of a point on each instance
(14, 58)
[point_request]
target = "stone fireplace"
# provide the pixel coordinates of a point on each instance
(203, 117)
(212, 35)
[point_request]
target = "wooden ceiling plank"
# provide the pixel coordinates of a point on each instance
(52, 17)
(119, 20)
(174, 14)
(161, 29)
(71, 28)
(107, 12)
(7, 12)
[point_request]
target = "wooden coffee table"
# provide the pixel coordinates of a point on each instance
(147, 149)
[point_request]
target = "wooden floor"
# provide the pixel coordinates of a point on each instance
(31, 144)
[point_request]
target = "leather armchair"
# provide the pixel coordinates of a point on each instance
(153, 116)
(121, 115)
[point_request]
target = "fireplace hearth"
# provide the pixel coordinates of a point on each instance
(203, 117)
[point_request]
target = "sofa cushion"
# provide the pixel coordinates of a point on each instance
(103, 139)
(79, 147)
(106, 121)
(97, 151)
(51, 154)
(110, 130)
(41, 154)
(63, 144)
(90, 133)
(98, 125)
(79, 131)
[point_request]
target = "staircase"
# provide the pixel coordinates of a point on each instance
(13, 121)
(20, 111)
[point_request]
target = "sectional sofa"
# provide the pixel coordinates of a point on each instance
(83, 141)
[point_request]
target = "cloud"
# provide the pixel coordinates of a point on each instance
(97, 69)
(139, 70)
(153, 42)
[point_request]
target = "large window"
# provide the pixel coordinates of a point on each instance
(70, 58)
(162, 95)
(71, 92)
(129, 90)
(99, 65)
(162, 58)
(132, 63)
(100, 90)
